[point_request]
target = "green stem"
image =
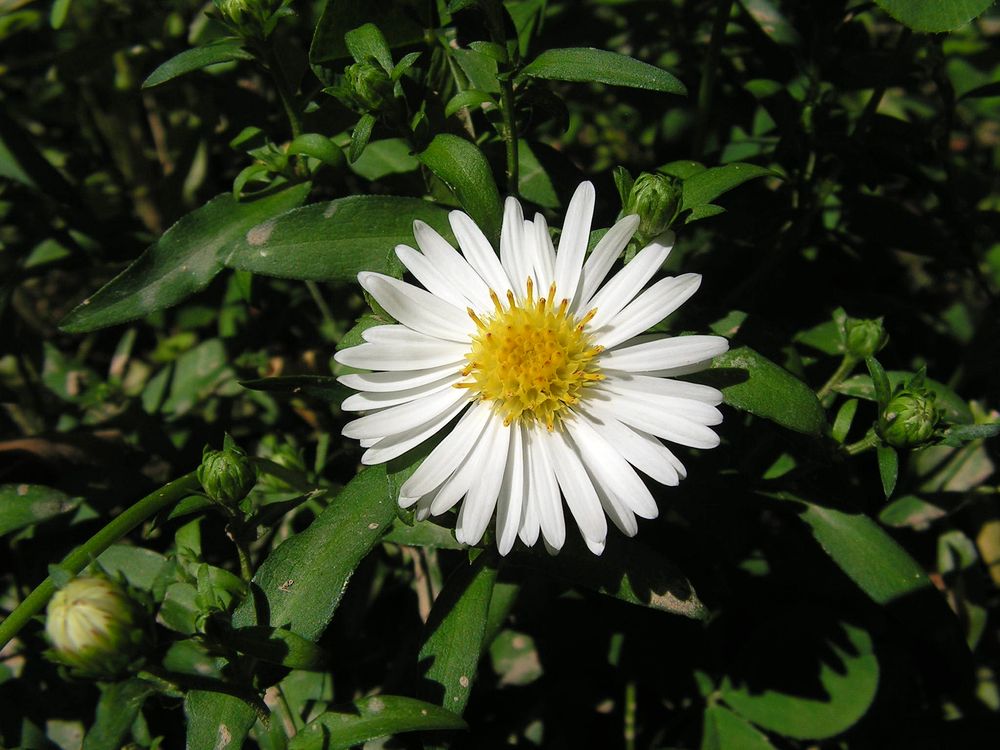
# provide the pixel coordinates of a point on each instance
(869, 441)
(510, 134)
(847, 364)
(709, 72)
(284, 91)
(79, 558)
(630, 708)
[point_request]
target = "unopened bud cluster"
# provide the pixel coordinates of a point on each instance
(227, 476)
(864, 337)
(909, 418)
(656, 199)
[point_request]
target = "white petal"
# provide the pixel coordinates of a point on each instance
(449, 453)
(545, 490)
(663, 353)
(648, 309)
(660, 422)
(404, 417)
(396, 334)
(545, 260)
(639, 384)
(612, 473)
(481, 500)
(627, 283)
(432, 279)
(379, 382)
(452, 265)
(418, 309)
(573, 242)
(366, 401)
(530, 525)
(404, 357)
(478, 251)
(576, 487)
(512, 492)
(603, 257)
(689, 408)
(640, 449)
(455, 487)
(395, 445)
(513, 257)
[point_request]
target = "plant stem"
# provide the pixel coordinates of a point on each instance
(843, 370)
(869, 441)
(630, 706)
(79, 558)
(709, 72)
(510, 134)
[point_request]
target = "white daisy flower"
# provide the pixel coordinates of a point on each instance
(556, 394)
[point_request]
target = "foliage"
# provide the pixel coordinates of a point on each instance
(188, 191)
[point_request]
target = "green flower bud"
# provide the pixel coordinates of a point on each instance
(95, 627)
(227, 476)
(909, 419)
(656, 198)
(864, 337)
(368, 86)
(234, 11)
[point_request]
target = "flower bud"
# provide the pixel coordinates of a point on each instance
(233, 11)
(656, 198)
(368, 86)
(227, 476)
(95, 627)
(864, 337)
(909, 418)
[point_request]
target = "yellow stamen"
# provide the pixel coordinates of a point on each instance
(532, 360)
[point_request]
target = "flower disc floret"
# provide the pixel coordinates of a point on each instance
(531, 360)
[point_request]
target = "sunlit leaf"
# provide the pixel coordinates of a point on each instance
(587, 64)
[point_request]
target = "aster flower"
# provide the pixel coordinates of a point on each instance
(554, 393)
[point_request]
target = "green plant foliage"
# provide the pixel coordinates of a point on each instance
(213, 213)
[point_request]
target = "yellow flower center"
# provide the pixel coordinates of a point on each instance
(531, 359)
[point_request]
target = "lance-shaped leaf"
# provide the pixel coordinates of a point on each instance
(24, 505)
(753, 383)
(343, 727)
(463, 168)
(283, 592)
(702, 188)
(453, 635)
(627, 570)
(936, 16)
(587, 64)
(117, 709)
(335, 241)
(183, 261)
(224, 50)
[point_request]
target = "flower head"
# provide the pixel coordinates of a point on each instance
(227, 476)
(554, 393)
(94, 627)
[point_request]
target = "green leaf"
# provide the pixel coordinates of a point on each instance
(401, 22)
(279, 646)
(468, 98)
(341, 728)
(627, 570)
(533, 182)
(707, 185)
(366, 42)
(936, 16)
(59, 12)
(845, 417)
(453, 635)
(888, 468)
(318, 147)
(183, 261)
(224, 50)
(336, 240)
(883, 390)
(848, 675)
(479, 67)
(423, 534)
(958, 435)
(587, 64)
(117, 709)
(752, 383)
(953, 406)
(463, 168)
(724, 730)
(23, 505)
(138, 565)
(321, 387)
(360, 136)
(320, 559)
(385, 157)
(910, 511)
(771, 22)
